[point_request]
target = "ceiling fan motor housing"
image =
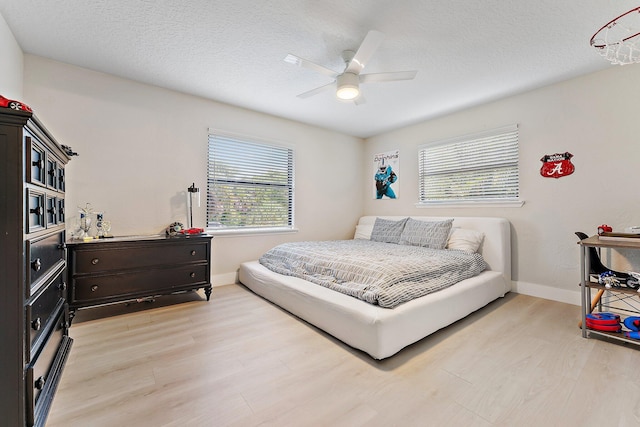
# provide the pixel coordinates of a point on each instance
(347, 86)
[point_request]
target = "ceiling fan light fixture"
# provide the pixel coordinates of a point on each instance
(348, 88)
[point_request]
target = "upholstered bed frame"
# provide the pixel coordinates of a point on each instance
(382, 332)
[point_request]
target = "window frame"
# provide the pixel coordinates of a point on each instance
(471, 140)
(290, 186)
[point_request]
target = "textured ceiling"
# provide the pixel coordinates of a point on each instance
(466, 52)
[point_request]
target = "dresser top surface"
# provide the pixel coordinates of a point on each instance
(140, 238)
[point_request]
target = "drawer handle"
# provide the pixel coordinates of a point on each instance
(192, 274)
(94, 288)
(39, 383)
(62, 286)
(52, 172)
(38, 163)
(193, 252)
(36, 265)
(95, 261)
(36, 324)
(37, 211)
(52, 210)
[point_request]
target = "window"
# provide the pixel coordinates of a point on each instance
(470, 169)
(249, 184)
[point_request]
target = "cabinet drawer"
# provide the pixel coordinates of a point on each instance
(41, 312)
(36, 168)
(60, 211)
(35, 214)
(37, 372)
(43, 375)
(52, 173)
(113, 287)
(51, 213)
(104, 259)
(44, 255)
(61, 179)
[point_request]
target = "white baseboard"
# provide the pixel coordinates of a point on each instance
(224, 279)
(546, 292)
(525, 288)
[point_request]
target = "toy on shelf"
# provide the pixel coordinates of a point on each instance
(103, 227)
(174, 229)
(193, 230)
(608, 279)
(14, 105)
(604, 228)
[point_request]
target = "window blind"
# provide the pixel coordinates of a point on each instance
(481, 167)
(249, 184)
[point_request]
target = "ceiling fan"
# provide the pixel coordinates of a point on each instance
(347, 82)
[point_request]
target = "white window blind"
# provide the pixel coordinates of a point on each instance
(474, 168)
(249, 184)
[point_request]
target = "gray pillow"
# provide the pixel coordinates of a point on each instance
(387, 231)
(430, 234)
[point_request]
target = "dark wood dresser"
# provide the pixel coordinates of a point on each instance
(34, 318)
(120, 269)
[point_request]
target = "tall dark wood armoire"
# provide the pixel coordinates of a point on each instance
(34, 317)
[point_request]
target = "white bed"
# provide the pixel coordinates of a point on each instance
(382, 332)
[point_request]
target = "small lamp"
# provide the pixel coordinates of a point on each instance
(347, 86)
(193, 189)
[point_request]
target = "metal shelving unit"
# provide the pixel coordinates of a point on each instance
(620, 300)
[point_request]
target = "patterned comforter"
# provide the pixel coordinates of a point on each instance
(385, 274)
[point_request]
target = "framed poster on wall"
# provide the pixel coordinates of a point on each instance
(385, 176)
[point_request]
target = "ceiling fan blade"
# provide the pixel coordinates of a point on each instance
(360, 100)
(387, 77)
(317, 90)
(304, 63)
(365, 52)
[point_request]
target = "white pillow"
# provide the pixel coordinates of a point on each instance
(464, 239)
(363, 232)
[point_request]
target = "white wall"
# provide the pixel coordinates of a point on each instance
(595, 118)
(12, 64)
(141, 146)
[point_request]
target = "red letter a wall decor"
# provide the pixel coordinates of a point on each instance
(557, 165)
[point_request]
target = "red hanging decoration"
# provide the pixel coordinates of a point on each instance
(557, 165)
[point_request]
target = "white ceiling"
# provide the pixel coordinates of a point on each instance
(466, 52)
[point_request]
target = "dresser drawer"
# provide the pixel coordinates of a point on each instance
(35, 211)
(52, 172)
(95, 260)
(43, 374)
(60, 211)
(51, 211)
(37, 372)
(41, 312)
(36, 167)
(61, 178)
(44, 255)
(112, 287)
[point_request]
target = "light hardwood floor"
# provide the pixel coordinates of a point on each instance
(238, 360)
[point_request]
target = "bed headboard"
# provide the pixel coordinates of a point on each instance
(495, 248)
